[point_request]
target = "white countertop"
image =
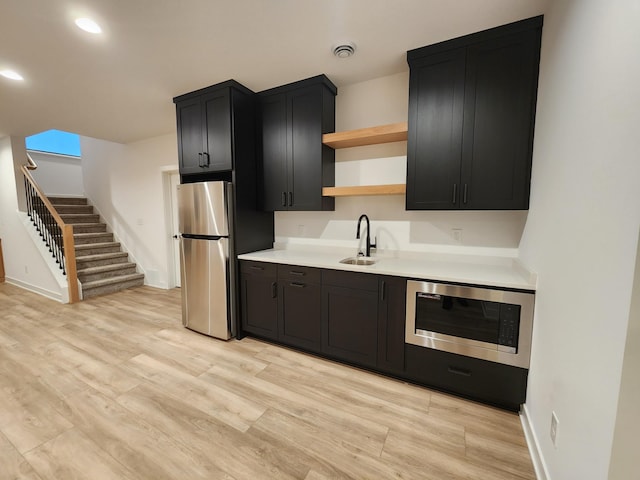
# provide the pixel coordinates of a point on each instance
(472, 269)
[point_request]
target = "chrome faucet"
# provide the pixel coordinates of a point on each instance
(369, 245)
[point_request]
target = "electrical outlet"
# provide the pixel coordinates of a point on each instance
(554, 429)
(456, 233)
(26, 269)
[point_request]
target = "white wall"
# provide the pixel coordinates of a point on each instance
(24, 262)
(378, 102)
(125, 184)
(582, 232)
(58, 174)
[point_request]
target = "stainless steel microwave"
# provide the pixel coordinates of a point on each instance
(490, 324)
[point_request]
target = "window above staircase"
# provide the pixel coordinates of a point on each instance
(55, 142)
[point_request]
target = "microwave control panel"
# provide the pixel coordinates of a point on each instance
(509, 325)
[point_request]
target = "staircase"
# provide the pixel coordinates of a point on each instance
(102, 265)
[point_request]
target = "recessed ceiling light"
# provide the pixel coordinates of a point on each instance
(88, 25)
(11, 74)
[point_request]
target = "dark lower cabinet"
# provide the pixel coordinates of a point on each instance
(350, 317)
(391, 322)
(299, 307)
(489, 382)
(259, 299)
(359, 318)
(281, 303)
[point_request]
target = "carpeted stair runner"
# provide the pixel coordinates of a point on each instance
(102, 265)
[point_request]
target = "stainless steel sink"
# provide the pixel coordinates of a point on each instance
(358, 261)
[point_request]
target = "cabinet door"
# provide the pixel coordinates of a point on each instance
(499, 116)
(299, 314)
(216, 108)
(391, 322)
(434, 148)
(350, 324)
(299, 305)
(274, 152)
(190, 142)
(304, 158)
(258, 299)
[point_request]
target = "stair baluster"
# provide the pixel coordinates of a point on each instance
(57, 235)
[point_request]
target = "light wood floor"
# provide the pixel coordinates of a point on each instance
(115, 388)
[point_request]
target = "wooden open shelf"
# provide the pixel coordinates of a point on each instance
(395, 132)
(394, 189)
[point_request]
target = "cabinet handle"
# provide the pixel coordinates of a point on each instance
(455, 193)
(254, 267)
(284, 199)
(459, 371)
(206, 155)
(290, 199)
(297, 274)
(297, 285)
(200, 159)
(464, 194)
(383, 288)
(274, 290)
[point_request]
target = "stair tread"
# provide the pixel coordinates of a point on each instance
(89, 246)
(101, 256)
(111, 280)
(106, 268)
(91, 234)
(57, 200)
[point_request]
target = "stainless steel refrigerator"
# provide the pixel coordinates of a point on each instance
(205, 216)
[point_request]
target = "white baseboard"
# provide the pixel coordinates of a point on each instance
(35, 289)
(540, 467)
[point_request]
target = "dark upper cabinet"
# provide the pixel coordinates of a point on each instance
(206, 134)
(434, 147)
(295, 163)
(274, 152)
(471, 118)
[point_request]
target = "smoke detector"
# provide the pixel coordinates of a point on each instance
(344, 50)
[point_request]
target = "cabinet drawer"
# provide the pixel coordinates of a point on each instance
(340, 278)
(490, 382)
(258, 268)
(294, 273)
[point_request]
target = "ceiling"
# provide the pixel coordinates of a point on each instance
(119, 85)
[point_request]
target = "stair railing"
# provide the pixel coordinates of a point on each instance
(57, 234)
